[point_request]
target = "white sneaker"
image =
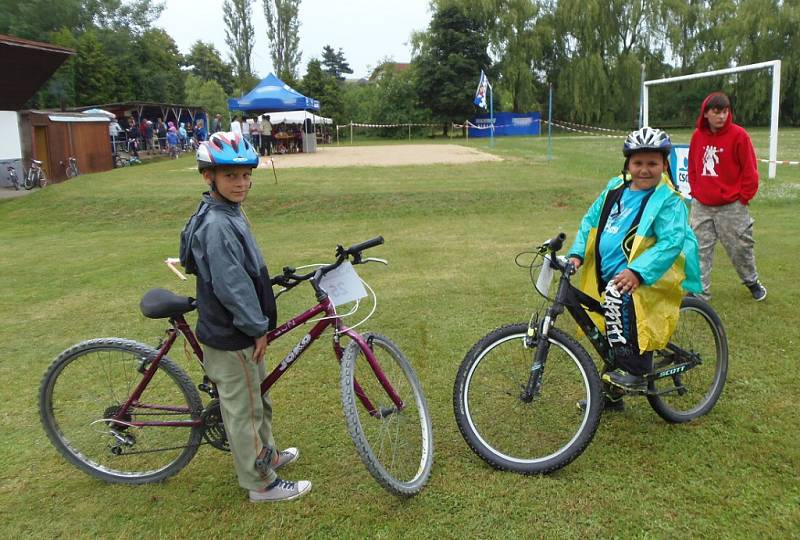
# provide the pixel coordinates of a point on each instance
(281, 490)
(285, 457)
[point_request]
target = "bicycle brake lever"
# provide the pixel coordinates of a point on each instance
(375, 259)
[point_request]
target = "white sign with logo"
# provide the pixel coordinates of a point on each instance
(343, 285)
(679, 165)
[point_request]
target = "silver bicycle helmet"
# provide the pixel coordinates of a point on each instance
(646, 139)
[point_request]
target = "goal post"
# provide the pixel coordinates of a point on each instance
(775, 65)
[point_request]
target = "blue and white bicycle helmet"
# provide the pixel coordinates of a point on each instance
(226, 149)
(646, 139)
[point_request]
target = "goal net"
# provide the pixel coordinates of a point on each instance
(752, 84)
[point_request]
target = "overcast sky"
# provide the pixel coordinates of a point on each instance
(366, 30)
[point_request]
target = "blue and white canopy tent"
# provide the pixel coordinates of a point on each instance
(274, 95)
(271, 95)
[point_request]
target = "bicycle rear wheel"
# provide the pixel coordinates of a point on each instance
(685, 396)
(542, 435)
(396, 445)
(87, 384)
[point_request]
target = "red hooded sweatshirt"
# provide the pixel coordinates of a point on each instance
(722, 165)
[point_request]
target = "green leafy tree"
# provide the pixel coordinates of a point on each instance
(450, 57)
(36, 19)
(240, 38)
(323, 86)
(517, 47)
(206, 63)
(135, 15)
(94, 72)
(60, 89)
(157, 75)
(335, 63)
(207, 94)
(283, 34)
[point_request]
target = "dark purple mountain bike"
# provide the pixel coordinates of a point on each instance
(124, 412)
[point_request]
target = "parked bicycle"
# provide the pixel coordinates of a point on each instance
(124, 412)
(11, 172)
(34, 177)
(516, 390)
(71, 167)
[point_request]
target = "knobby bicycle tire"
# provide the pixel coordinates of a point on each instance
(407, 431)
(692, 393)
(85, 384)
(537, 437)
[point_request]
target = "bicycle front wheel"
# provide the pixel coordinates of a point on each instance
(534, 437)
(29, 182)
(685, 396)
(395, 443)
(85, 387)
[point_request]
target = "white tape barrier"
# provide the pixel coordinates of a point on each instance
(780, 162)
(596, 128)
(556, 124)
(353, 124)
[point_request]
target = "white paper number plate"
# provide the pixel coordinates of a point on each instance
(545, 277)
(343, 285)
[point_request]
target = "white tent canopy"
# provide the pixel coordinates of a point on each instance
(296, 117)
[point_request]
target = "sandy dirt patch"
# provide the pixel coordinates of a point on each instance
(389, 155)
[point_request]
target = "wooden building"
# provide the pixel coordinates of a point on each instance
(53, 137)
(26, 66)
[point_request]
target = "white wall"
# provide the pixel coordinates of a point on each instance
(10, 147)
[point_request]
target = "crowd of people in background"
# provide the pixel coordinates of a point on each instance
(157, 137)
(154, 137)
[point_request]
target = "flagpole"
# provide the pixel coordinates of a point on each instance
(550, 125)
(491, 117)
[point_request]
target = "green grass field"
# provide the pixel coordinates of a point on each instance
(77, 256)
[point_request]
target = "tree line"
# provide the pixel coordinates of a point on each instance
(591, 52)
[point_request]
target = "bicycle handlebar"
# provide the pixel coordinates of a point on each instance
(358, 248)
(288, 279)
(556, 243)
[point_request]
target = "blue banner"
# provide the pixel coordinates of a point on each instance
(507, 124)
(679, 166)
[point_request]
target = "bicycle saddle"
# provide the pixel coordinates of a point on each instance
(161, 304)
(36, 161)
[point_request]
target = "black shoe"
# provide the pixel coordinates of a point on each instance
(625, 380)
(758, 291)
(608, 405)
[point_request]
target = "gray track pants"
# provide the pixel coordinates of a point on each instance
(246, 413)
(732, 225)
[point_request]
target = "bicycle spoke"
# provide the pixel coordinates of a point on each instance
(90, 385)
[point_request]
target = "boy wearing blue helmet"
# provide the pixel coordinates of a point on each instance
(236, 309)
(639, 256)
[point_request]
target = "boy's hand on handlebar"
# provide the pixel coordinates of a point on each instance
(626, 281)
(260, 347)
(575, 262)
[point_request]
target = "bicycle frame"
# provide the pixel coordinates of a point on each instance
(330, 319)
(567, 296)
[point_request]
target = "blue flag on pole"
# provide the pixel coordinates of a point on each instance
(480, 94)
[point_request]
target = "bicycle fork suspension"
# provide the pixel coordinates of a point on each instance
(537, 338)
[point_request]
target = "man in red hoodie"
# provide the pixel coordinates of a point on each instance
(724, 178)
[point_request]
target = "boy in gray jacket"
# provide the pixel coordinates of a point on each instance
(236, 308)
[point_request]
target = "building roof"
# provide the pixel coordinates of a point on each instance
(134, 105)
(394, 67)
(26, 65)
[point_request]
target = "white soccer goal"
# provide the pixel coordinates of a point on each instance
(775, 65)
